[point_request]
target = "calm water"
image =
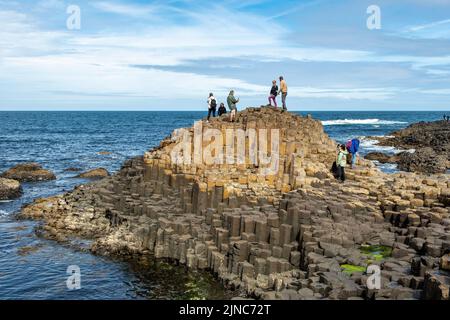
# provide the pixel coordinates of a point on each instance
(34, 268)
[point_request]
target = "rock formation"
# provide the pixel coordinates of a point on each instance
(9, 189)
(431, 142)
(382, 157)
(28, 172)
(287, 233)
(98, 173)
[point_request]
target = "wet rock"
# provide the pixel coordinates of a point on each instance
(28, 172)
(9, 189)
(422, 160)
(381, 157)
(98, 173)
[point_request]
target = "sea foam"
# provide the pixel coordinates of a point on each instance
(359, 121)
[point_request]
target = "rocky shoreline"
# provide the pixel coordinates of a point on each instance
(430, 142)
(11, 180)
(293, 234)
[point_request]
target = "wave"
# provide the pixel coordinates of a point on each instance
(371, 145)
(359, 121)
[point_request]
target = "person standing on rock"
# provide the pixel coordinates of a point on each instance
(273, 94)
(283, 91)
(212, 104)
(222, 110)
(341, 162)
(232, 101)
(353, 149)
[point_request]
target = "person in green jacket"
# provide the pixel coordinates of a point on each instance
(231, 101)
(341, 162)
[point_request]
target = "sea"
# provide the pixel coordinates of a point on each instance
(35, 268)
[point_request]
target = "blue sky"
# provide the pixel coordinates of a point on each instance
(168, 55)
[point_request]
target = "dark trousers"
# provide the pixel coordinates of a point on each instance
(213, 111)
(340, 173)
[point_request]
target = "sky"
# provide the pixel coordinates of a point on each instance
(168, 55)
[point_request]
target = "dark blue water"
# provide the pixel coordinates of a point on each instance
(34, 268)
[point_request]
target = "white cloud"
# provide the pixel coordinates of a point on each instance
(437, 91)
(344, 93)
(40, 62)
(433, 30)
(50, 4)
(429, 25)
(67, 75)
(125, 9)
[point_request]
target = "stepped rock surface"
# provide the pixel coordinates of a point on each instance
(286, 234)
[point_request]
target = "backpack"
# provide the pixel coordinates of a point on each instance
(334, 169)
(348, 145)
(213, 104)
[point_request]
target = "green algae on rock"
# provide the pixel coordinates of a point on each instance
(376, 252)
(350, 269)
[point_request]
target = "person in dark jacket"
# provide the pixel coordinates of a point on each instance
(273, 94)
(212, 104)
(222, 110)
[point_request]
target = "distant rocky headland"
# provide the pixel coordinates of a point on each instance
(430, 142)
(292, 232)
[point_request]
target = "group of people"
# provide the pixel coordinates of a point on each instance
(232, 101)
(446, 118)
(345, 154)
(274, 92)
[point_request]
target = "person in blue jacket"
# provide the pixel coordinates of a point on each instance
(353, 148)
